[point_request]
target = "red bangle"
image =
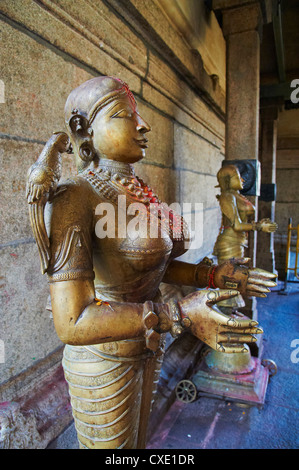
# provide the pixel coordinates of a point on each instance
(211, 279)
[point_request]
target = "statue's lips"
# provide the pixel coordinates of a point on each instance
(142, 142)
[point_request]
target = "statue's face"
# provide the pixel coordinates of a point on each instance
(236, 182)
(119, 131)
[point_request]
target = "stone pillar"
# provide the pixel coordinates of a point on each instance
(242, 25)
(268, 140)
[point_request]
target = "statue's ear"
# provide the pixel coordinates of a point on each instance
(82, 134)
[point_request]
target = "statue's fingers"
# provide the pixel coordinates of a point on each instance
(253, 330)
(232, 348)
(261, 273)
(240, 323)
(261, 282)
(257, 288)
(253, 293)
(214, 296)
(236, 338)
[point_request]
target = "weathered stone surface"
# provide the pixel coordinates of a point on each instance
(199, 188)
(192, 152)
(166, 40)
(105, 30)
(160, 138)
(71, 43)
(35, 418)
(199, 27)
(34, 104)
(25, 325)
(287, 186)
(243, 95)
(195, 116)
(161, 77)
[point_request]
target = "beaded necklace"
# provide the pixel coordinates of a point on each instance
(112, 179)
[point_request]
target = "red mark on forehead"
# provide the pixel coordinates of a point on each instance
(129, 94)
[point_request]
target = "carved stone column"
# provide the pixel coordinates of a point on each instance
(268, 140)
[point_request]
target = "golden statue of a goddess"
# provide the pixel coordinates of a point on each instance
(104, 276)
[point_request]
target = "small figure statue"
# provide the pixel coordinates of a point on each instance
(236, 211)
(104, 279)
(231, 242)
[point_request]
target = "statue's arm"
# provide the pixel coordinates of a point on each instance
(228, 206)
(232, 274)
(80, 319)
(188, 274)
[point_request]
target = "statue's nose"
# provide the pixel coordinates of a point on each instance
(142, 125)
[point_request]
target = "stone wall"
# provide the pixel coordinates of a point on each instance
(49, 48)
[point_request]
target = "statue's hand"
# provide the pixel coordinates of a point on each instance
(234, 274)
(219, 331)
(266, 225)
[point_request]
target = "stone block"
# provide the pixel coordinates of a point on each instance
(287, 186)
(54, 31)
(194, 153)
(283, 211)
(198, 188)
(104, 29)
(160, 139)
(163, 78)
(187, 109)
(25, 325)
(34, 103)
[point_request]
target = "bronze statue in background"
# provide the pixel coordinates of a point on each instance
(104, 277)
(236, 210)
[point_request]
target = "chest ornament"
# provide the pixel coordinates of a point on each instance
(112, 184)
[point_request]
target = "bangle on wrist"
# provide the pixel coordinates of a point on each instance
(151, 320)
(211, 274)
(179, 323)
(257, 226)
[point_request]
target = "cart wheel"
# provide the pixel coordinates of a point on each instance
(186, 391)
(270, 365)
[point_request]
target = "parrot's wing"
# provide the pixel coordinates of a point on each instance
(36, 214)
(40, 183)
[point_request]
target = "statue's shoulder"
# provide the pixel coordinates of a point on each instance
(71, 189)
(227, 197)
(71, 201)
(228, 204)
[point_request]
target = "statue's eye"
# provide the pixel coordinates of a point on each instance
(122, 113)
